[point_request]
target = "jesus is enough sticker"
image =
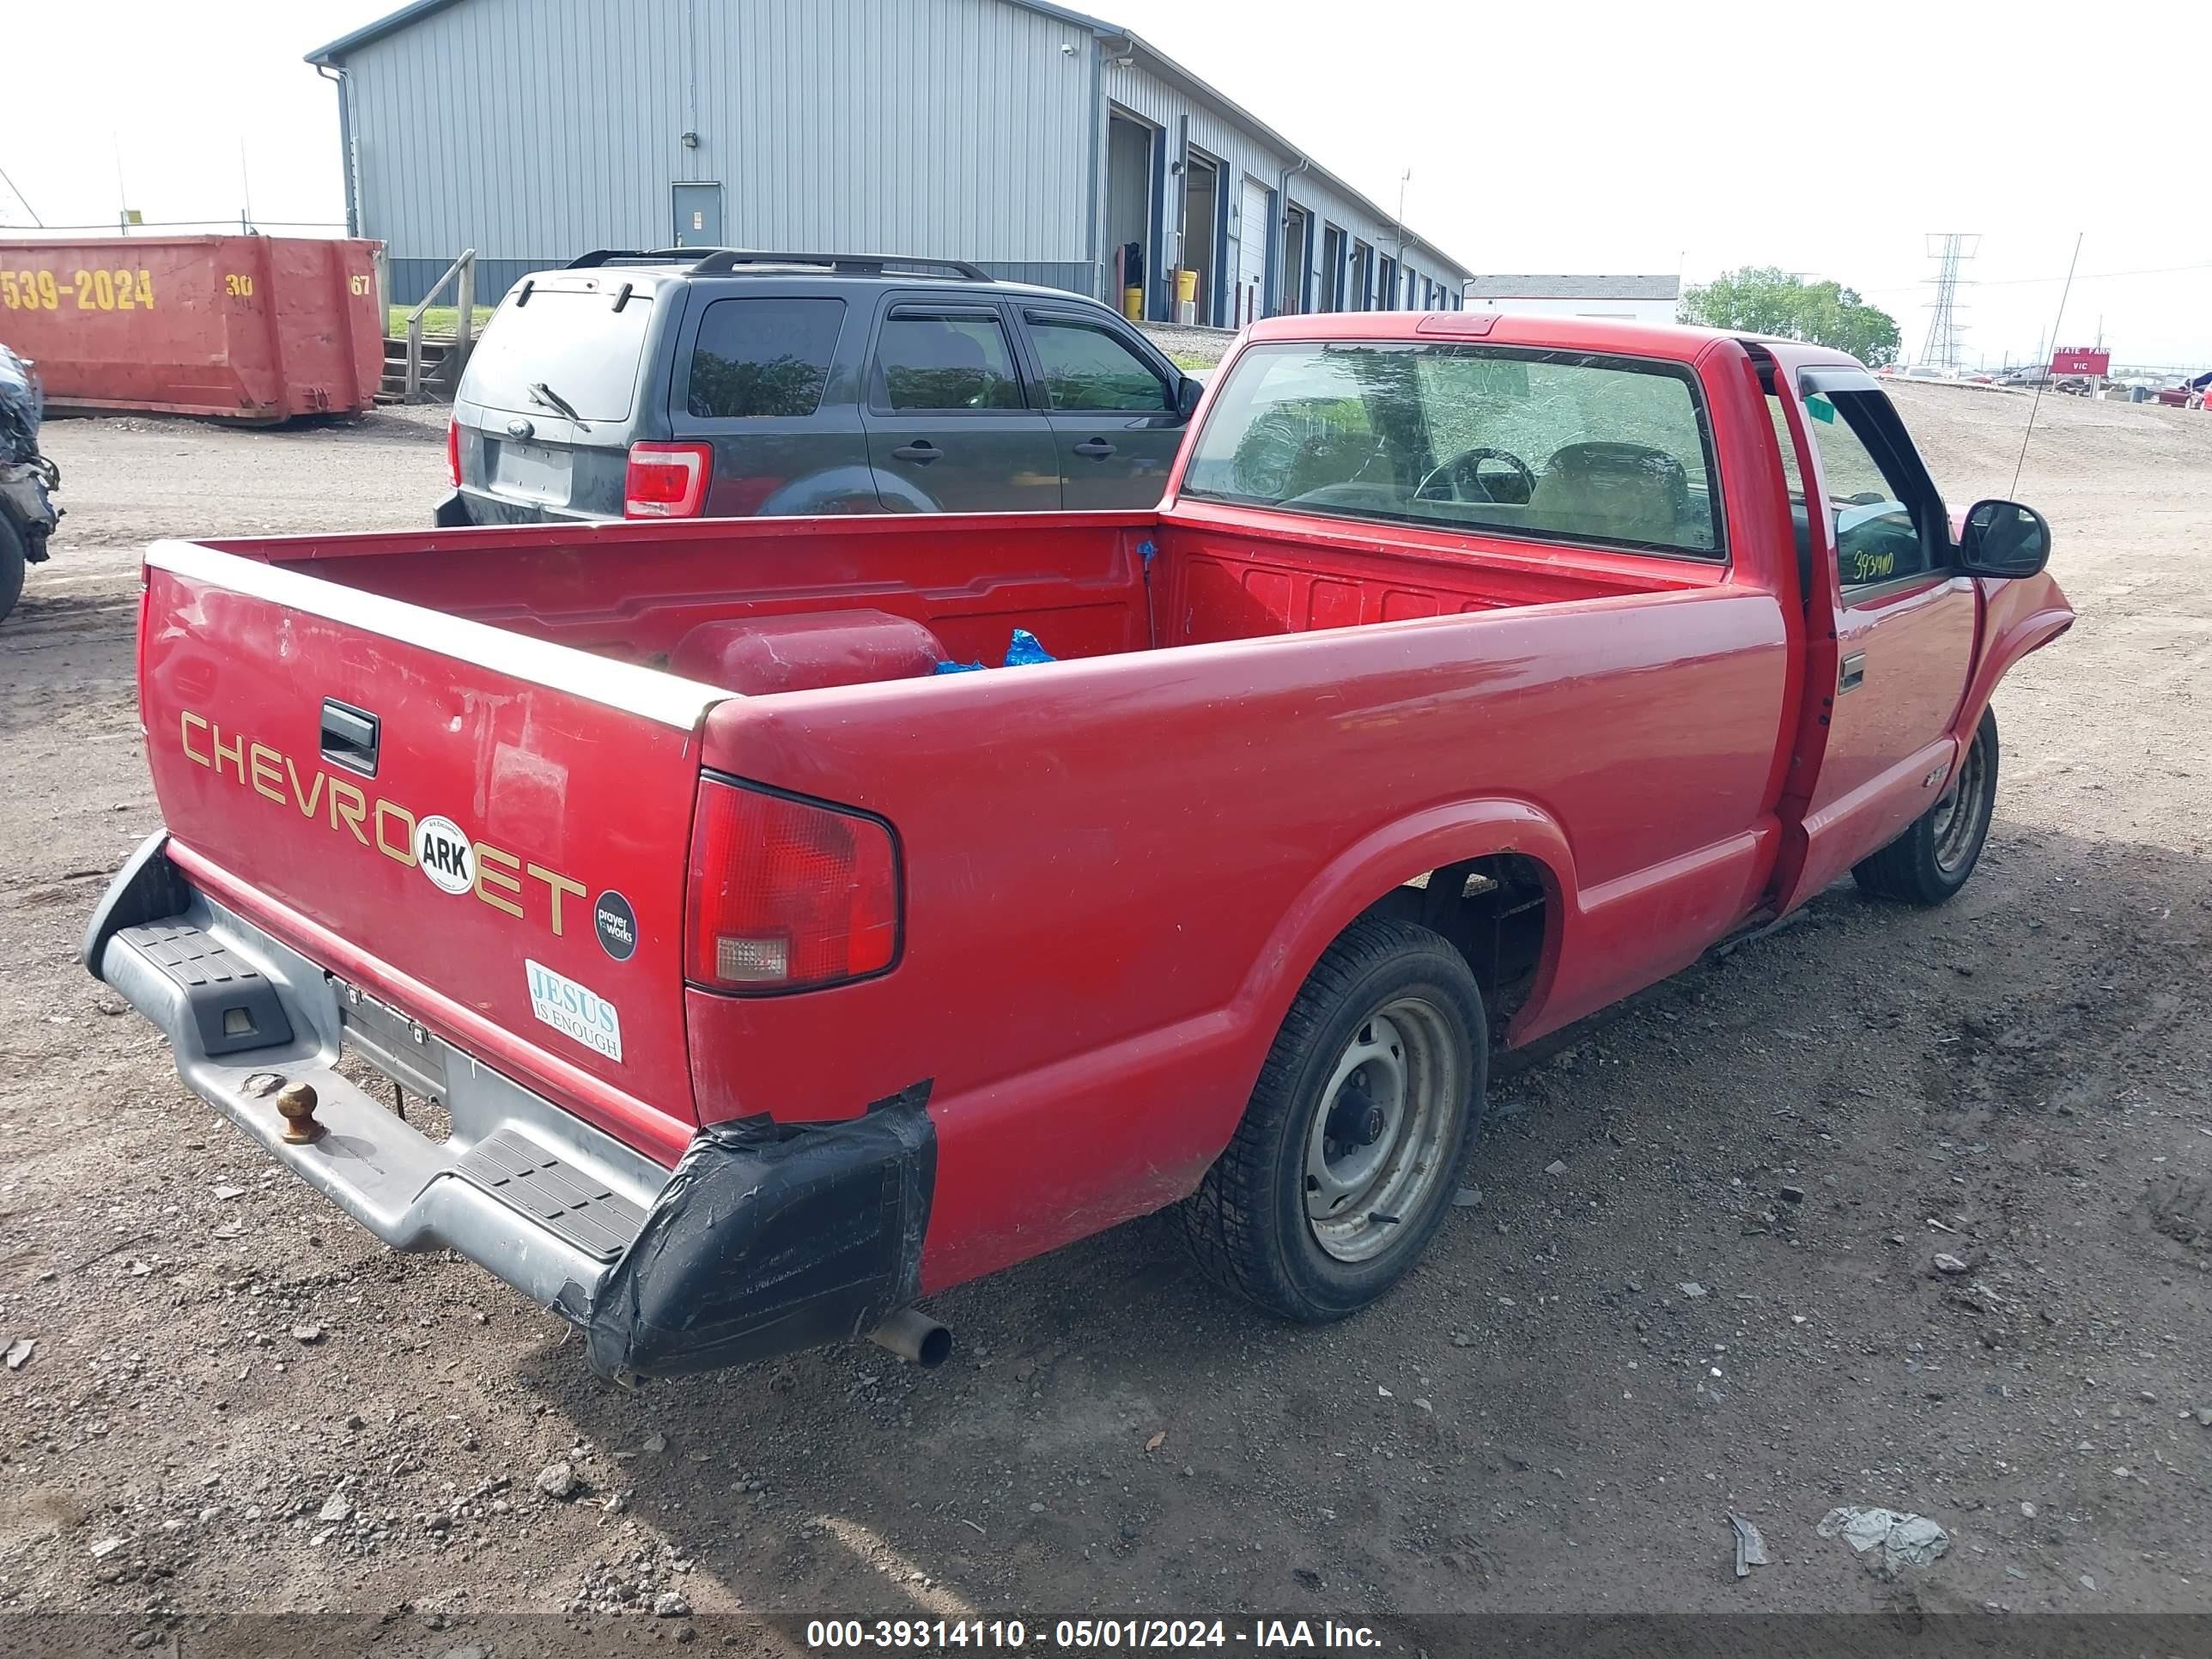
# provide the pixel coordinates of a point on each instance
(574, 1011)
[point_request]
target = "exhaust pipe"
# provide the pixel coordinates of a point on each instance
(915, 1337)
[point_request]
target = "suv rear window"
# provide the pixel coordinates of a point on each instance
(573, 342)
(762, 356)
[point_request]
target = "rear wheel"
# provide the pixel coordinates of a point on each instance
(1932, 858)
(1345, 1161)
(12, 564)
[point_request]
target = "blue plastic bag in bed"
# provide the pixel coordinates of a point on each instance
(1022, 651)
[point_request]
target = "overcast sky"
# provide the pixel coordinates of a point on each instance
(1584, 136)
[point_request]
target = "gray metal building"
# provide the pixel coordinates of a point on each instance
(1042, 144)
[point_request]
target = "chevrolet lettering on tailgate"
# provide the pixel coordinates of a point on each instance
(433, 843)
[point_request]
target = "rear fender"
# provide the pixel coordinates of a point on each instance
(840, 489)
(898, 494)
(1389, 858)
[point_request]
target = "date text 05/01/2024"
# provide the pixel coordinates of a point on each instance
(1275, 1635)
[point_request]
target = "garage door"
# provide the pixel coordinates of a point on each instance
(1251, 252)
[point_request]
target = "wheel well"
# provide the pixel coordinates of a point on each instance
(1496, 912)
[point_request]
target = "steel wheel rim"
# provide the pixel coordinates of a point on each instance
(1958, 815)
(1397, 1078)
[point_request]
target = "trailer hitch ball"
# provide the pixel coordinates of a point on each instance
(296, 1102)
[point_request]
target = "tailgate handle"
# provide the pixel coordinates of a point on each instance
(349, 737)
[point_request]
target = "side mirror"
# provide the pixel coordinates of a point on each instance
(1188, 391)
(2004, 538)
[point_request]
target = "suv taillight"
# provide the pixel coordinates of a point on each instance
(453, 453)
(786, 894)
(666, 481)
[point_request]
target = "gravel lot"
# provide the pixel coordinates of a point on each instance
(237, 1403)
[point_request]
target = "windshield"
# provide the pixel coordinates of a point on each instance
(572, 343)
(1552, 444)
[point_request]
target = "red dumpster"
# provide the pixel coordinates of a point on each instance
(256, 328)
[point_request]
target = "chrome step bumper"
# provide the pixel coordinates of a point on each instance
(536, 1196)
(769, 1235)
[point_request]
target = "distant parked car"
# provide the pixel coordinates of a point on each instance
(678, 384)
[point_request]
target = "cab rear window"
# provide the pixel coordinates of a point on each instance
(1549, 445)
(571, 345)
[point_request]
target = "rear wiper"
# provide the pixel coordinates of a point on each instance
(546, 398)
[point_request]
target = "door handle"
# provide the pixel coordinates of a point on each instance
(1097, 448)
(350, 737)
(920, 451)
(1852, 673)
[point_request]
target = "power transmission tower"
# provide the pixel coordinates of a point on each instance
(1949, 249)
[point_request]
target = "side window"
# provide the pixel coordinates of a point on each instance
(1086, 368)
(946, 361)
(1878, 535)
(762, 356)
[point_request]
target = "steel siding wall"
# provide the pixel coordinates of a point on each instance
(533, 130)
(1138, 89)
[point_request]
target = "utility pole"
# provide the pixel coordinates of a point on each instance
(1398, 265)
(122, 195)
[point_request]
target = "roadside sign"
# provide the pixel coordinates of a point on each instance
(2080, 360)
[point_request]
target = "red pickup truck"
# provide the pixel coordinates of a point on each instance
(741, 974)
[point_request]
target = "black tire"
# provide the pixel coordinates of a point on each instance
(1249, 1223)
(12, 565)
(1934, 857)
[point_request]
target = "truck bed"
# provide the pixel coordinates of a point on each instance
(1090, 585)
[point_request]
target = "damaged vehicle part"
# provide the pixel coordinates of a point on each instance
(763, 1239)
(28, 513)
(771, 1237)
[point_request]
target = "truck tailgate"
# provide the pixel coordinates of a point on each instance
(483, 829)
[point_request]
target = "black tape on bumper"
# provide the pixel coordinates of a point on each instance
(769, 1238)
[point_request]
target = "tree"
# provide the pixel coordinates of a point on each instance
(1766, 299)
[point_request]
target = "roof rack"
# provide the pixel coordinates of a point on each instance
(717, 261)
(608, 255)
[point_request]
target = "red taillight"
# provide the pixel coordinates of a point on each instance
(666, 481)
(453, 453)
(786, 894)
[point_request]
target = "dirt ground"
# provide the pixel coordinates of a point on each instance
(238, 1402)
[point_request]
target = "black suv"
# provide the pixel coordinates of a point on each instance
(665, 384)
